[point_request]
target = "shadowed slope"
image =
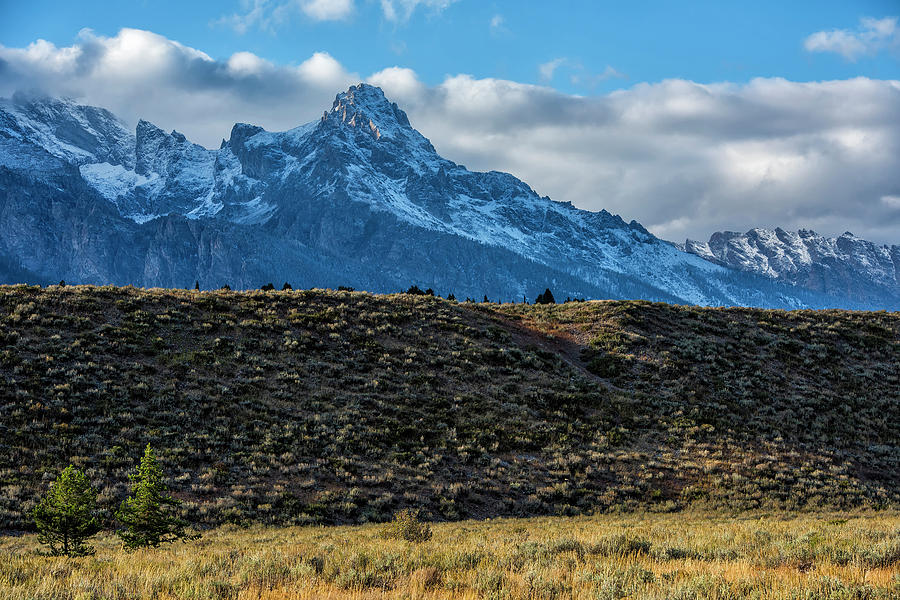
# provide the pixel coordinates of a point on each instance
(322, 406)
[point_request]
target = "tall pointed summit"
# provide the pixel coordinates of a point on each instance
(365, 106)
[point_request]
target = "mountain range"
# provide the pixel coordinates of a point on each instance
(845, 266)
(360, 198)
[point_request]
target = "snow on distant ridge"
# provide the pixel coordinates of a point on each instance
(806, 258)
(114, 181)
(78, 134)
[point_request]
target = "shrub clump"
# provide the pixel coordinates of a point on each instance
(621, 544)
(408, 526)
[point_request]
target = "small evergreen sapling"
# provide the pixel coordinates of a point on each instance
(65, 516)
(147, 514)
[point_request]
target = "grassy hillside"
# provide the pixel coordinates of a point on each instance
(340, 407)
(660, 557)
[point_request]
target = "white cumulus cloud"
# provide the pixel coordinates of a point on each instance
(872, 36)
(399, 83)
(247, 63)
(327, 10)
(139, 74)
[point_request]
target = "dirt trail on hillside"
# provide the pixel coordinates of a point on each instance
(560, 341)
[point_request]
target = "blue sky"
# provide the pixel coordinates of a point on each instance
(690, 117)
(629, 42)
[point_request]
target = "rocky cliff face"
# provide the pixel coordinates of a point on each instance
(845, 266)
(358, 197)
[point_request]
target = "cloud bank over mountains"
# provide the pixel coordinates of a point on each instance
(683, 158)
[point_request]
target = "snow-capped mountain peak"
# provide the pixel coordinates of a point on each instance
(365, 107)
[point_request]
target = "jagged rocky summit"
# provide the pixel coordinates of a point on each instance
(357, 198)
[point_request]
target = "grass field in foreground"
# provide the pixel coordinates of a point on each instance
(806, 556)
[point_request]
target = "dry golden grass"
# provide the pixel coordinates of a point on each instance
(807, 556)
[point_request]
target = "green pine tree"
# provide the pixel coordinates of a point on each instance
(545, 298)
(65, 516)
(148, 514)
